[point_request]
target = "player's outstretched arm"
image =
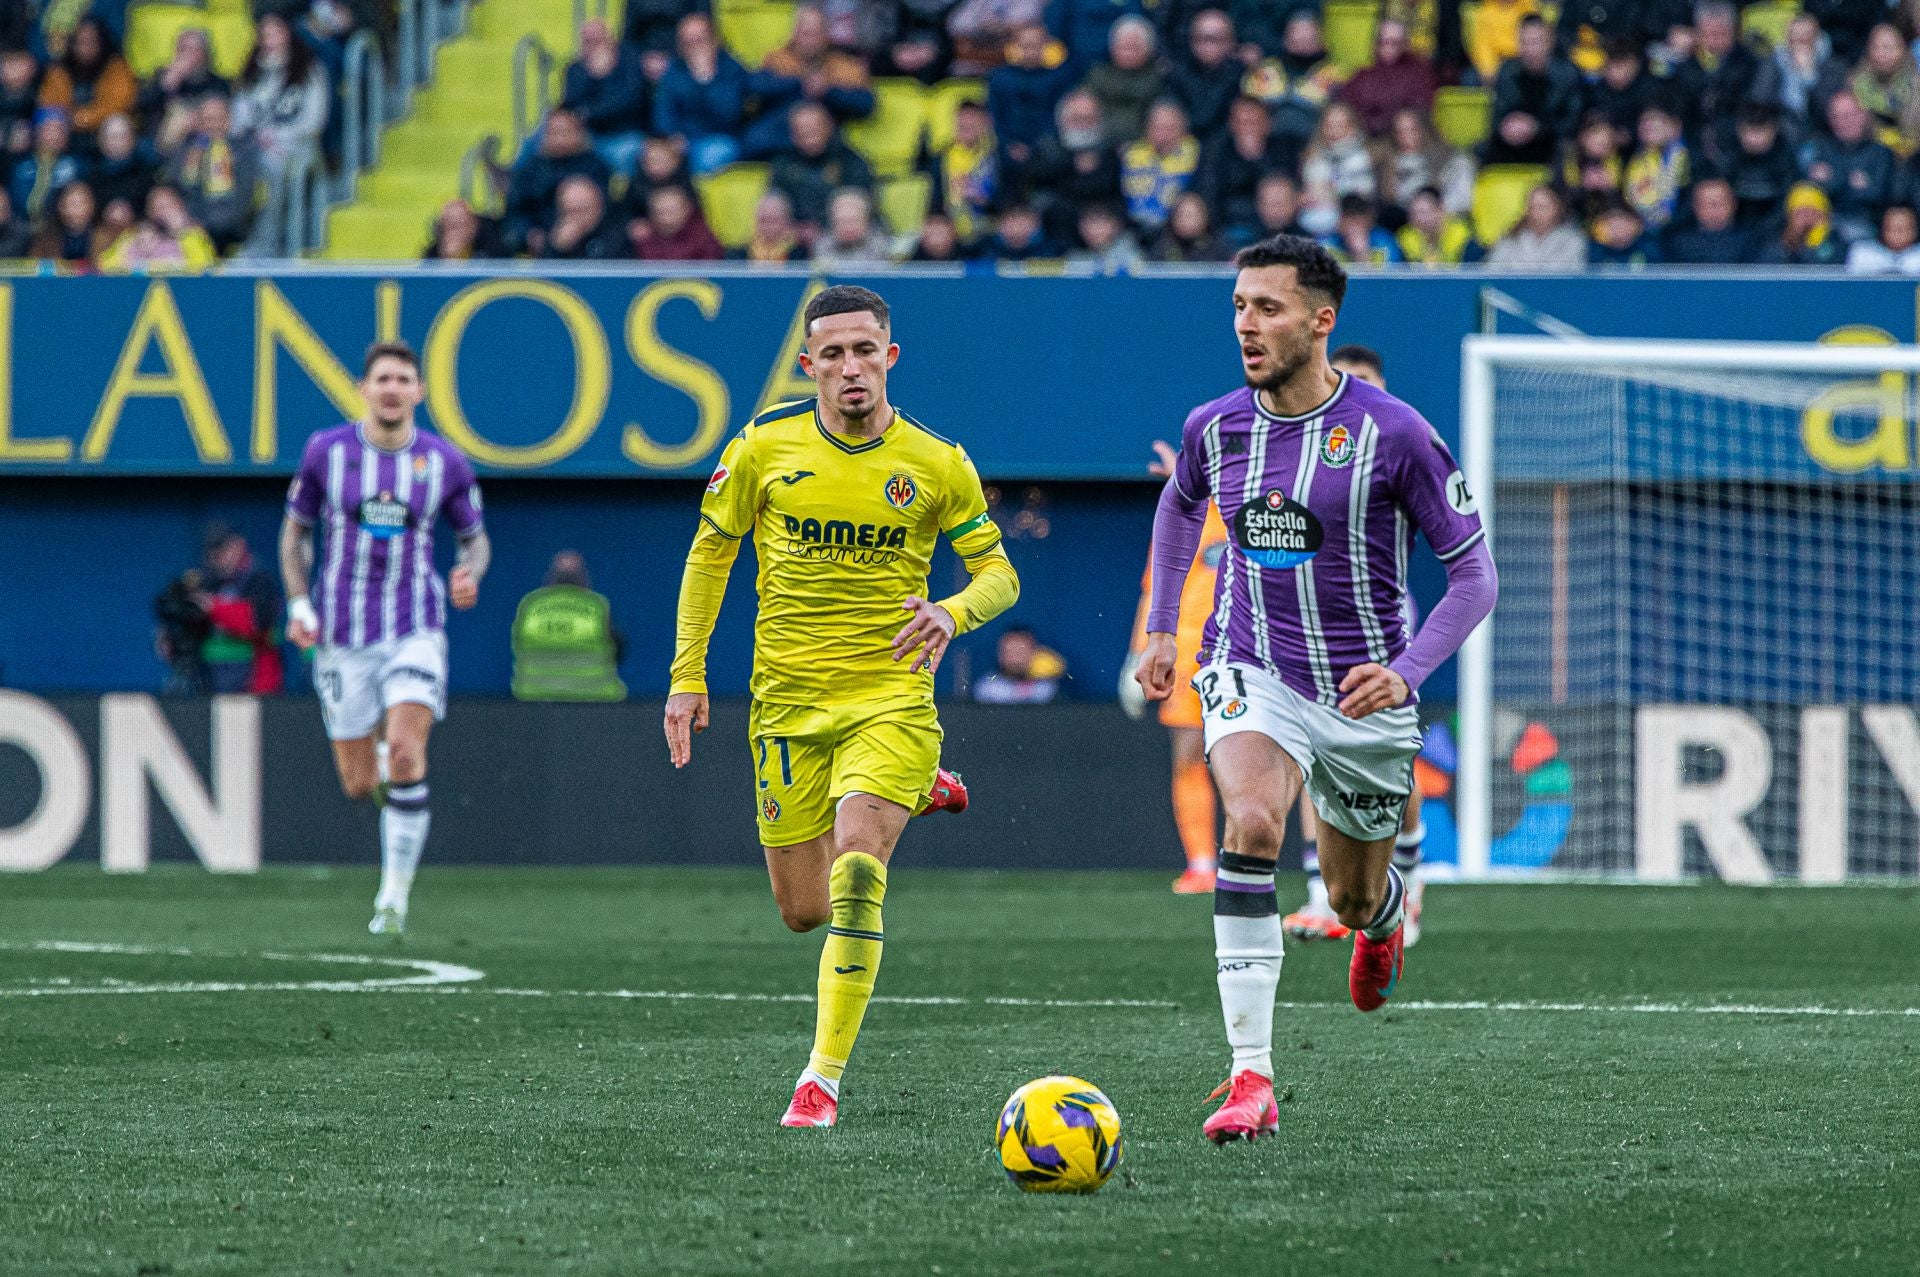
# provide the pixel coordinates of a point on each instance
(296, 574)
(469, 565)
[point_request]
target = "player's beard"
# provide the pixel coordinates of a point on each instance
(857, 411)
(1284, 360)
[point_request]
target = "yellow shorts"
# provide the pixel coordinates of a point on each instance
(808, 757)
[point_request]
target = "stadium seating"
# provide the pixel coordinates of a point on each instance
(890, 137)
(751, 29)
(1349, 33)
(1768, 21)
(728, 198)
(903, 203)
(1469, 21)
(153, 28)
(1500, 197)
(943, 103)
(1463, 114)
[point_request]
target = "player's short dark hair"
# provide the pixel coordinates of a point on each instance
(847, 299)
(1317, 269)
(389, 350)
(1366, 356)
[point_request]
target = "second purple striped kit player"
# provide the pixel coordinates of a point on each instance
(378, 611)
(1308, 671)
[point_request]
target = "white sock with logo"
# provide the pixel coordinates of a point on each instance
(1247, 950)
(404, 822)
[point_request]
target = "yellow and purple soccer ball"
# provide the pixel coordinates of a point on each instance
(1059, 1135)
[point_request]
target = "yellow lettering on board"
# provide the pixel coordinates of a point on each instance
(386, 305)
(697, 380)
(159, 324)
(592, 372)
(12, 449)
(278, 326)
(786, 381)
(1885, 396)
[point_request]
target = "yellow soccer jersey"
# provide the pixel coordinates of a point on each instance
(845, 531)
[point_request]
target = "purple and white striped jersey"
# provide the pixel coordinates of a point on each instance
(1320, 513)
(377, 579)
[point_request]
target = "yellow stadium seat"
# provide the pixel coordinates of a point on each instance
(903, 203)
(943, 103)
(153, 28)
(1349, 33)
(728, 198)
(1463, 114)
(1469, 21)
(751, 32)
(890, 137)
(1769, 21)
(1500, 197)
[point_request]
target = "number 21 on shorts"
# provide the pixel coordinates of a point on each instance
(1227, 702)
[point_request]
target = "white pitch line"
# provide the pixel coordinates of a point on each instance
(425, 973)
(1625, 1008)
(683, 995)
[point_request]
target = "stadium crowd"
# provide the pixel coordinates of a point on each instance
(1112, 133)
(101, 170)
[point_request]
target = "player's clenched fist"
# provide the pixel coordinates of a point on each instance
(686, 714)
(462, 589)
(1155, 673)
(1370, 688)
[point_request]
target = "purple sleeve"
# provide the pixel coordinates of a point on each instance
(309, 488)
(1472, 587)
(463, 495)
(1177, 527)
(1427, 481)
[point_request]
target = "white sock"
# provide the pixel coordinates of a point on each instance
(403, 838)
(1392, 909)
(1247, 949)
(830, 1085)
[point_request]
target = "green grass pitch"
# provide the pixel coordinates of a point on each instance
(512, 1125)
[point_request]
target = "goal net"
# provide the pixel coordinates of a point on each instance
(1704, 659)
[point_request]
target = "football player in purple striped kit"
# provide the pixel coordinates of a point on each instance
(1308, 672)
(379, 614)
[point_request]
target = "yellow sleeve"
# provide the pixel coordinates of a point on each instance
(964, 518)
(727, 513)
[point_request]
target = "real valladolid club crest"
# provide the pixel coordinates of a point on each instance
(1337, 449)
(901, 490)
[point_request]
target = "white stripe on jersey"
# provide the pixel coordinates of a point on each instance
(1357, 507)
(1223, 592)
(424, 574)
(1402, 546)
(396, 551)
(1256, 588)
(1310, 631)
(362, 552)
(336, 537)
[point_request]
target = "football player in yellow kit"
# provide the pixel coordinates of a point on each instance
(846, 498)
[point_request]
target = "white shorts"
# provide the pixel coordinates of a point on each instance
(1358, 772)
(359, 684)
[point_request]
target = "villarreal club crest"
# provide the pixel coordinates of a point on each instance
(901, 491)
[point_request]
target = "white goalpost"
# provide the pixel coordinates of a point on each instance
(1707, 647)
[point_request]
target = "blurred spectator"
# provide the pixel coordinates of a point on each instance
(1073, 168)
(662, 163)
(1024, 672)
(1297, 83)
(1157, 168)
(1536, 101)
(1432, 235)
(1357, 238)
(564, 152)
(1543, 239)
(805, 69)
(16, 235)
(1846, 23)
(1276, 209)
(967, 171)
(937, 242)
(651, 24)
(983, 29)
(1802, 75)
(19, 100)
(674, 230)
(1712, 236)
(1720, 76)
(919, 48)
(91, 81)
(1336, 163)
(217, 174)
(565, 644)
(582, 230)
(1107, 247)
(1854, 172)
(1897, 251)
(852, 242)
(1805, 231)
(1412, 156)
(281, 109)
(606, 88)
(1761, 168)
(1189, 235)
(1398, 80)
(775, 240)
(168, 102)
(462, 235)
(125, 169)
(1207, 78)
(180, 609)
(818, 163)
(1086, 26)
(242, 648)
(1887, 86)
(1023, 94)
(1620, 239)
(1263, 24)
(863, 27)
(1496, 35)
(1232, 165)
(703, 97)
(1623, 89)
(1659, 168)
(1128, 82)
(1590, 162)
(165, 240)
(48, 167)
(1019, 237)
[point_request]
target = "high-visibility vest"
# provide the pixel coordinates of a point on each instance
(563, 647)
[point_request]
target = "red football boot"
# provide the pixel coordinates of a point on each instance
(949, 793)
(811, 1106)
(1375, 970)
(1249, 1111)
